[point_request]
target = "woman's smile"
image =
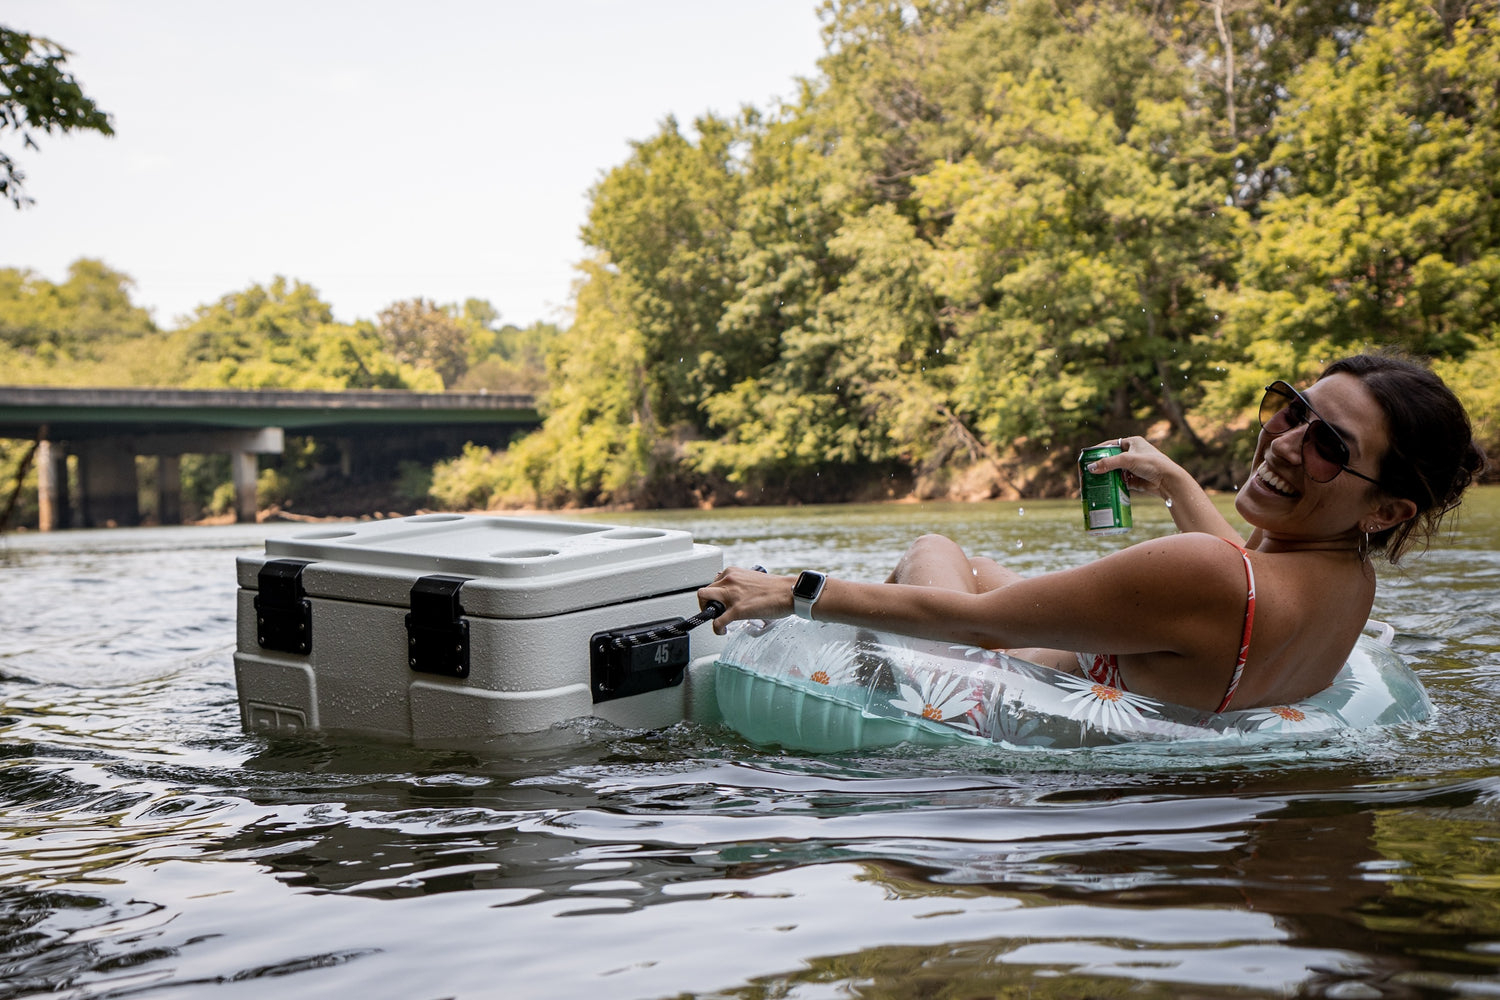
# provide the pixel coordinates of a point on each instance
(1275, 483)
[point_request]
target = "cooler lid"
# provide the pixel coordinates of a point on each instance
(520, 567)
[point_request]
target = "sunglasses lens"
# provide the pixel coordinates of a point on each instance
(1327, 455)
(1280, 409)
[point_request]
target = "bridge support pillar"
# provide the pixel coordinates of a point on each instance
(243, 469)
(107, 483)
(52, 486)
(169, 489)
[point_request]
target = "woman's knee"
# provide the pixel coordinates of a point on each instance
(934, 560)
(933, 542)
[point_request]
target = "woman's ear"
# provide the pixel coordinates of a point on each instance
(1390, 512)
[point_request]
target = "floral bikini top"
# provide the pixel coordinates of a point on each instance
(1104, 668)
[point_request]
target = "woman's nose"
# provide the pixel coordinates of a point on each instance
(1288, 444)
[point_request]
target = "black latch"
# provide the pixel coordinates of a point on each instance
(628, 661)
(283, 614)
(437, 634)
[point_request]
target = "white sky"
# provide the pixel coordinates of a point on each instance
(377, 150)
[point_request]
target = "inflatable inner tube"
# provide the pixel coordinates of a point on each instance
(829, 688)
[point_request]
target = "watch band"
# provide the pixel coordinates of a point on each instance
(806, 591)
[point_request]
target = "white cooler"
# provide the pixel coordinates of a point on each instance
(442, 628)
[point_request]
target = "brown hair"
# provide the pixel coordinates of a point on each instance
(1432, 457)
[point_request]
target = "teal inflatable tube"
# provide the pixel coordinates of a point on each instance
(829, 688)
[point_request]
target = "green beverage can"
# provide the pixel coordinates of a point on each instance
(1106, 500)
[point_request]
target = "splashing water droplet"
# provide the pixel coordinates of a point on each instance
(1169, 503)
(1020, 511)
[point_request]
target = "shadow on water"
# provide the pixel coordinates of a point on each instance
(150, 847)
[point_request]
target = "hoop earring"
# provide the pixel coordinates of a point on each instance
(1364, 545)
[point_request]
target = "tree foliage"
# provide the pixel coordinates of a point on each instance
(83, 330)
(420, 333)
(282, 335)
(38, 94)
(988, 233)
(76, 316)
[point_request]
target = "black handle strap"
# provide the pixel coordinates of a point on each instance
(673, 631)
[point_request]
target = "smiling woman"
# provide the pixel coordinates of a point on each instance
(1187, 618)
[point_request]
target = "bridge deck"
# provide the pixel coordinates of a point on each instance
(73, 412)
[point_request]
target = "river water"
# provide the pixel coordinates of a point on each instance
(150, 848)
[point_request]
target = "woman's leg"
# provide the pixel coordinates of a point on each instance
(937, 561)
(990, 575)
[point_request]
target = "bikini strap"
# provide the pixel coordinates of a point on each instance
(1239, 663)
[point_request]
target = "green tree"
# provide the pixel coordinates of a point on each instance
(851, 385)
(1386, 229)
(596, 445)
(507, 358)
(282, 335)
(420, 333)
(665, 220)
(905, 83)
(1082, 238)
(37, 94)
(81, 331)
(76, 317)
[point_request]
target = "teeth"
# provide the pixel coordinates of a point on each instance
(1274, 481)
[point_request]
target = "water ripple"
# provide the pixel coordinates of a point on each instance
(148, 846)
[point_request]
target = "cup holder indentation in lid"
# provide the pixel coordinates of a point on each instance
(633, 534)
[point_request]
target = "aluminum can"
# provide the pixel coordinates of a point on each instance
(1106, 500)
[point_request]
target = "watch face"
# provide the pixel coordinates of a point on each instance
(808, 585)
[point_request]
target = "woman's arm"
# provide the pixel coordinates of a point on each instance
(1147, 470)
(1168, 594)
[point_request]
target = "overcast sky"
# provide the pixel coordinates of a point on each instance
(378, 151)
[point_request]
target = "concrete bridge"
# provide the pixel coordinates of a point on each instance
(104, 430)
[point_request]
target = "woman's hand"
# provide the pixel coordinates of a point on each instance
(1146, 469)
(1149, 471)
(747, 593)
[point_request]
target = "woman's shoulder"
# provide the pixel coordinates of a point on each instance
(1188, 545)
(1183, 570)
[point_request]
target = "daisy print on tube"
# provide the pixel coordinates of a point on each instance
(958, 700)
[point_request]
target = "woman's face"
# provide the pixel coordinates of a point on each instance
(1284, 502)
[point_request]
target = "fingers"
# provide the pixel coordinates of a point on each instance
(714, 593)
(1134, 452)
(747, 594)
(723, 591)
(1108, 463)
(1139, 464)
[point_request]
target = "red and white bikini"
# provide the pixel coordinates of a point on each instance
(1104, 668)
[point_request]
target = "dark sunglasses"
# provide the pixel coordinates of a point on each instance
(1283, 408)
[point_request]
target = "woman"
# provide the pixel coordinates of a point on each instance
(1368, 459)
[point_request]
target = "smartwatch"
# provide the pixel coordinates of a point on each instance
(805, 592)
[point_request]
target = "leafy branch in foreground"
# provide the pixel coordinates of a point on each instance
(38, 94)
